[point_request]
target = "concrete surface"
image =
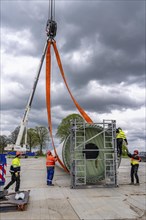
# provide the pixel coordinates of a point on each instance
(60, 202)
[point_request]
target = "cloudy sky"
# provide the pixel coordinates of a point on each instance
(102, 48)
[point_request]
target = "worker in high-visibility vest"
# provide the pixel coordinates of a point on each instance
(50, 164)
(120, 136)
(135, 159)
(15, 169)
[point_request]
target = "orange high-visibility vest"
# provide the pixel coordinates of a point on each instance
(50, 161)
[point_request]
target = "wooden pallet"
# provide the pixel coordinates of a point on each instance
(9, 203)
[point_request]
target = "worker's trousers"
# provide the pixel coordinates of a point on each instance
(14, 179)
(119, 146)
(134, 172)
(50, 175)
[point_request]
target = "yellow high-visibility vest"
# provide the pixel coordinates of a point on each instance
(134, 161)
(16, 162)
(121, 134)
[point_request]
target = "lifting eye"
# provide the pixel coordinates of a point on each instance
(91, 151)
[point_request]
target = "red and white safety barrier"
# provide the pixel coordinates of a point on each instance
(3, 172)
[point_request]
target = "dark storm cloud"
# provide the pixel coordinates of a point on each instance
(120, 27)
(102, 41)
(137, 135)
(29, 15)
(105, 104)
(101, 103)
(120, 24)
(14, 101)
(109, 68)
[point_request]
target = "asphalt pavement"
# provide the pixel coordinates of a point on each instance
(60, 202)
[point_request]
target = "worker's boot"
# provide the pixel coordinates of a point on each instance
(137, 184)
(131, 183)
(3, 193)
(51, 184)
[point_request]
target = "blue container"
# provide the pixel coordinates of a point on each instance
(13, 153)
(3, 165)
(30, 154)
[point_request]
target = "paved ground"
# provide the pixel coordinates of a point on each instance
(60, 202)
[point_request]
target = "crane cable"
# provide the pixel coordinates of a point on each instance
(51, 11)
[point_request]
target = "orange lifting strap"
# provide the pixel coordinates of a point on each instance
(48, 93)
(48, 98)
(83, 113)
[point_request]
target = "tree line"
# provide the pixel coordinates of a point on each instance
(36, 137)
(39, 136)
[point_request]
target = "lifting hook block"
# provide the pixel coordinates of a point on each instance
(51, 28)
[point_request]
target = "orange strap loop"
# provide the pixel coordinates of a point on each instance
(83, 113)
(48, 98)
(48, 93)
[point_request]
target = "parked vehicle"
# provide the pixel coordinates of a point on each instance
(143, 156)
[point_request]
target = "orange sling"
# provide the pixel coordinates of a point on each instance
(48, 93)
(48, 98)
(83, 113)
